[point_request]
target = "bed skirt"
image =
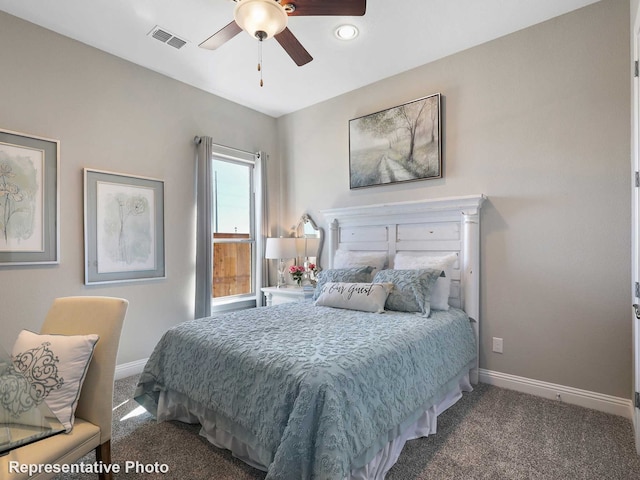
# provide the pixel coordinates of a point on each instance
(177, 406)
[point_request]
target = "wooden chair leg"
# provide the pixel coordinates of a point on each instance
(103, 454)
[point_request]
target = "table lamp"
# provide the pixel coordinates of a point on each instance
(280, 249)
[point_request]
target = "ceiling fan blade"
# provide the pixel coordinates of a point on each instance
(353, 8)
(293, 47)
(221, 36)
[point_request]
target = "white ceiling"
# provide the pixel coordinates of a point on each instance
(395, 36)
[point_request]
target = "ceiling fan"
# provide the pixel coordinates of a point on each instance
(264, 19)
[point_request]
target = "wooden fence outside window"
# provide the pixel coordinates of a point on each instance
(231, 266)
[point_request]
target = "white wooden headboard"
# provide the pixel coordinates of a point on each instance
(435, 226)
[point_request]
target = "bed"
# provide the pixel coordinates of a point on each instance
(301, 390)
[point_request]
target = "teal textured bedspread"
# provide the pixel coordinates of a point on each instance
(316, 391)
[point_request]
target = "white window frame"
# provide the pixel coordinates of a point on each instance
(205, 150)
(248, 300)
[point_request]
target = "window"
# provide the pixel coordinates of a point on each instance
(233, 228)
(230, 228)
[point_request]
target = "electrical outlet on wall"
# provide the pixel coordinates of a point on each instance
(497, 345)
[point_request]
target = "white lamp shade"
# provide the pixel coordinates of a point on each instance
(283, 247)
(266, 16)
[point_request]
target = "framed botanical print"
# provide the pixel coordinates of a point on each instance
(29, 199)
(123, 227)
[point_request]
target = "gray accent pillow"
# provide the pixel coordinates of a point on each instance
(345, 275)
(412, 289)
(442, 288)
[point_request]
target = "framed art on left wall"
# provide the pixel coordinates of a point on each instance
(123, 227)
(29, 199)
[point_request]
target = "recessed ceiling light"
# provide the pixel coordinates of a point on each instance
(346, 32)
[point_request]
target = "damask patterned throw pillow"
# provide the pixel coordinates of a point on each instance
(412, 289)
(56, 366)
(16, 395)
(442, 288)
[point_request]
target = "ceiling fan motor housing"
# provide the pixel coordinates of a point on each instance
(264, 19)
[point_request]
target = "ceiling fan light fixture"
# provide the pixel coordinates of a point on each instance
(260, 18)
(346, 32)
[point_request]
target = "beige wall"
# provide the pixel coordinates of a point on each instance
(112, 115)
(539, 122)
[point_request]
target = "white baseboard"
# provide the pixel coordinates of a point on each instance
(132, 368)
(574, 396)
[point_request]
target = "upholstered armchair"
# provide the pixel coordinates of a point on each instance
(85, 315)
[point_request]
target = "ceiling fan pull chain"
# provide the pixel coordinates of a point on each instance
(260, 63)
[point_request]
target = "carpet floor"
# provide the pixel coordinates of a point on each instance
(491, 433)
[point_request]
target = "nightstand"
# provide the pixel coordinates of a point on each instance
(289, 294)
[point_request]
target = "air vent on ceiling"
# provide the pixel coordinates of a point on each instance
(176, 42)
(166, 37)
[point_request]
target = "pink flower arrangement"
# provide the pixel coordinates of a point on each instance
(297, 271)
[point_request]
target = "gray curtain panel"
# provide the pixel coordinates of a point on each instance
(262, 225)
(204, 252)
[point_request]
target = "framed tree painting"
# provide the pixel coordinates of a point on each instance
(123, 227)
(399, 144)
(29, 199)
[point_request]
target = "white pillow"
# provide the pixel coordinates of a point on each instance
(56, 366)
(442, 288)
(366, 297)
(353, 259)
